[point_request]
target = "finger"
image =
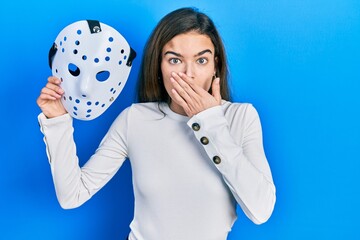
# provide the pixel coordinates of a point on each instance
(55, 88)
(50, 92)
(180, 101)
(45, 97)
(215, 89)
(54, 80)
(180, 90)
(197, 90)
(189, 82)
(194, 93)
(184, 84)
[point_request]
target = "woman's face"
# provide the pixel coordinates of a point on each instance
(192, 54)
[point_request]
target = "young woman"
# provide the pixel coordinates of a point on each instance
(193, 154)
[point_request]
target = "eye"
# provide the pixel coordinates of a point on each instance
(102, 76)
(202, 61)
(73, 69)
(174, 61)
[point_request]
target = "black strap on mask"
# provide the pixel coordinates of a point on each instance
(131, 58)
(94, 26)
(52, 53)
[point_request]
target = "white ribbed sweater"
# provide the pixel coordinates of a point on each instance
(187, 178)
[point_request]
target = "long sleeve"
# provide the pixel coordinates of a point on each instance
(75, 185)
(232, 139)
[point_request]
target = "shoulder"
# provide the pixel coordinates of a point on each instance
(241, 115)
(239, 109)
(138, 112)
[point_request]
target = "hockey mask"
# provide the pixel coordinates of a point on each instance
(93, 62)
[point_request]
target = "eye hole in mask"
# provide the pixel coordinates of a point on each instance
(102, 76)
(73, 69)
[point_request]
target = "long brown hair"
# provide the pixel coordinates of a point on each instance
(150, 84)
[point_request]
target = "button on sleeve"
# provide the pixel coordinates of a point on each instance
(216, 159)
(195, 126)
(204, 140)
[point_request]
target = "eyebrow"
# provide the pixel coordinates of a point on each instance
(196, 55)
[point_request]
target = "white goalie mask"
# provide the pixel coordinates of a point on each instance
(93, 62)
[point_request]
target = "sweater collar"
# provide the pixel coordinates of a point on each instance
(171, 114)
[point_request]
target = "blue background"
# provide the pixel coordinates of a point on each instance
(298, 62)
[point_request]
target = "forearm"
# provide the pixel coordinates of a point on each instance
(61, 151)
(242, 164)
(253, 189)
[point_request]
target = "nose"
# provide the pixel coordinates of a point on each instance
(189, 70)
(84, 86)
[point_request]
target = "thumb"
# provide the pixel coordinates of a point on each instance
(215, 89)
